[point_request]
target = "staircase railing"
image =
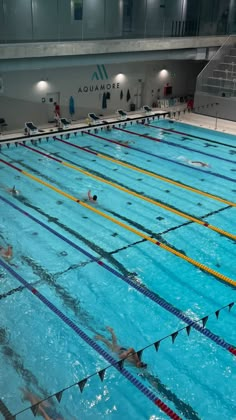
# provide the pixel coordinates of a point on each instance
(219, 76)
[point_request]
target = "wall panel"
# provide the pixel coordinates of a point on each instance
(45, 19)
(18, 20)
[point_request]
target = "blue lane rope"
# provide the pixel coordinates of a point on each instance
(186, 147)
(145, 291)
(182, 133)
(123, 371)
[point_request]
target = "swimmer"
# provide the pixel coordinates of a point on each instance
(194, 162)
(6, 253)
(123, 352)
(127, 142)
(92, 198)
(13, 191)
(199, 163)
(45, 409)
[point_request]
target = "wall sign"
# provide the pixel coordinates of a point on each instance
(98, 88)
(99, 74)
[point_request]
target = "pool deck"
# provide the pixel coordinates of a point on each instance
(198, 120)
(77, 125)
(204, 121)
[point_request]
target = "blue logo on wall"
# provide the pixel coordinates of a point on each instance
(100, 74)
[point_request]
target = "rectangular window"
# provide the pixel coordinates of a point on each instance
(127, 15)
(77, 9)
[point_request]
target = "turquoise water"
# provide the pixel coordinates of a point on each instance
(195, 377)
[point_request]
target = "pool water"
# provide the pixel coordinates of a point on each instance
(79, 267)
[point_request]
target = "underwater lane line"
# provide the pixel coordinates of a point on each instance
(175, 161)
(128, 191)
(171, 130)
(203, 267)
(185, 147)
(4, 410)
(123, 371)
(139, 287)
(145, 172)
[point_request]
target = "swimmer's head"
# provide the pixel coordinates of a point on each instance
(141, 365)
(95, 198)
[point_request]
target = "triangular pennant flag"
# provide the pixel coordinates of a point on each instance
(102, 374)
(217, 313)
(139, 353)
(188, 329)
(82, 384)
(59, 396)
(231, 305)
(173, 336)
(34, 409)
(204, 321)
(120, 364)
(157, 345)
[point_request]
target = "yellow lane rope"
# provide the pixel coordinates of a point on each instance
(129, 228)
(155, 202)
(170, 181)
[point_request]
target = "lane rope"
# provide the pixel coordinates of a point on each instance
(152, 174)
(186, 147)
(203, 267)
(140, 288)
(174, 161)
(123, 371)
(128, 191)
(196, 137)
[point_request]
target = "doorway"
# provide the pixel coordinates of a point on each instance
(138, 94)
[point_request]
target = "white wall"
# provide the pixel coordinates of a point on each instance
(21, 99)
(225, 108)
(181, 75)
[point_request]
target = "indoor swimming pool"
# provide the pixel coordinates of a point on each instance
(153, 258)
